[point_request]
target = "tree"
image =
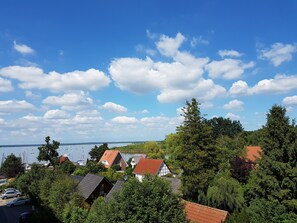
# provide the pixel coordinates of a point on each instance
(148, 201)
(12, 166)
(153, 150)
(275, 179)
(241, 168)
(225, 193)
(197, 156)
(97, 152)
(224, 126)
(48, 152)
(67, 167)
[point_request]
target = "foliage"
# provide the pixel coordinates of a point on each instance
(95, 167)
(116, 167)
(273, 183)
(67, 167)
(132, 148)
(253, 137)
(225, 193)
(147, 201)
(153, 150)
(48, 152)
(241, 168)
(224, 126)
(112, 175)
(12, 166)
(172, 144)
(197, 156)
(97, 152)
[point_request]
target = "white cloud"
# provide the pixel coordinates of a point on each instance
(280, 84)
(292, 100)
(110, 106)
(30, 94)
(278, 53)
(206, 105)
(22, 48)
(11, 106)
(234, 105)
(144, 111)
(239, 88)
(228, 68)
(56, 114)
(232, 116)
(168, 46)
(124, 120)
(5, 85)
(198, 41)
(34, 77)
(229, 53)
(70, 101)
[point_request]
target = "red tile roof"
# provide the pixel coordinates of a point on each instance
(109, 156)
(62, 159)
(253, 153)
(204, 214)
(148, 166)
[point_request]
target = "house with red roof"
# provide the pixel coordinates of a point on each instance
(154, 167)
(253, 153)
(63, 159)
(113, 157)
(204, 214)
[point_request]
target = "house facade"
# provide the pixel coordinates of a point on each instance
(154, 167)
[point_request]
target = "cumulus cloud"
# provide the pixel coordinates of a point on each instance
(5, 85)
(30, 94)
(232, 116)
(229, 53)
(15, 106)
(292, 100)
(69, 101)
(239, 88)
(110, 106)
(124, 120)
(34, 77)
(228, 68)
(234, 105)
(22, 48)
(56, 114)
(168, 46)
(278, 53)
(198, 41)
(280, 84)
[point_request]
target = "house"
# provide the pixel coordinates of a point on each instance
(135, 159)
(63, 159)
(113, 157)
(204, 214)
(253, 153)
(92, 186)
(155, 167)
(116, 188)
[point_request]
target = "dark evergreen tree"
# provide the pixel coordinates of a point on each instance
(98, 151)
(275, 179)
(197, 155)
(48, 152)
(225, 126)
(12, 166)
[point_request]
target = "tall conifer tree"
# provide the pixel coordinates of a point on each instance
(197, 154)
(274, 182)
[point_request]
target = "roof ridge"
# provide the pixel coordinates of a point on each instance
(206, 206)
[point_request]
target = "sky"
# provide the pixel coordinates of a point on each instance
(81, 71)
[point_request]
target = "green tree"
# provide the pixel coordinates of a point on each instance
(153, 150)
(12, 166)
(225, 193)
(48, 152)
(275, 179)
(224, 126)
(197, 156)
(67, 167)
(97, 152)
(148, 201)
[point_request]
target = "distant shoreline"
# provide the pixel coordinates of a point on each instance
(78, 143)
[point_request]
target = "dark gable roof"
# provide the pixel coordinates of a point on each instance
(117, 187)
(175, 184)
(88, 184)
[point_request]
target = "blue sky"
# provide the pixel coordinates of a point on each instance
(121, 70)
